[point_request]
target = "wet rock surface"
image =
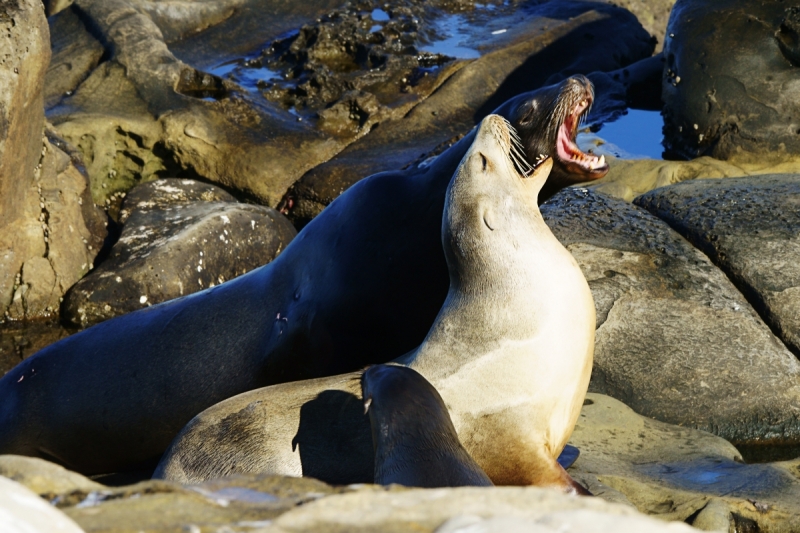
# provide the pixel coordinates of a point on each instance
(179, 236)
(730, 88)
(674, 335)
(554, 40)
(749, 228)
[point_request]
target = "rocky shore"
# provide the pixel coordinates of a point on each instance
(153, 149)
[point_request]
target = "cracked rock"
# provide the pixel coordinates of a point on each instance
(674, 335)
(179, 237)
(749, 227)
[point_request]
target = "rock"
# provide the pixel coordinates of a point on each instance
(206, 126)
(43, 477)
(20, 339)
(179, 237)
(75, 54)
(677, 473)
(536, 51)
(47, 238)
(749, 228)
(235, 503)
(630, 178)
(176, 18)
(464, 509)
(673, 333)
(653, 15)
(22, 511)
(730, 90)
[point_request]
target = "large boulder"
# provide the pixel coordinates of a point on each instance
(674, 335)
(179, 236)
(48, 237)
(730, 88)
(749, 227)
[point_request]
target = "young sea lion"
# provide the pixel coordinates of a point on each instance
(510, 351)
(364, 279)
(413, 437)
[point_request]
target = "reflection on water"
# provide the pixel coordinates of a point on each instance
(457, 32)
(635, 135)
(720, 476)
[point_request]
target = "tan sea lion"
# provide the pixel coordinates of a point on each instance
(510, 351)
(413, 437)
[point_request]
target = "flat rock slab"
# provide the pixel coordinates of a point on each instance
(674, 335)
(179, 237)
(750, 228)
(678, 473)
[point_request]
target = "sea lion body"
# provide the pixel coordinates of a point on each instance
(413, 437)
(365, 279)
(510, 352)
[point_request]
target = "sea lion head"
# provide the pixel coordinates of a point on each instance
(492, 203)
(414, 439)
(547, 121)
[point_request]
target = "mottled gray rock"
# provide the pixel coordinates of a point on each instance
(179, 237)
(22, 511)
(730, 87)
(749, 227)
(673, 333)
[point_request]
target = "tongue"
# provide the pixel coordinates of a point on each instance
(564, 145)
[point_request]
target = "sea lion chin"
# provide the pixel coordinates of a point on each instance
(510, 351)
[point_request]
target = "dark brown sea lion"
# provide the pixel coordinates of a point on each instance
(364, 279)
(413, 437)
(510, 352)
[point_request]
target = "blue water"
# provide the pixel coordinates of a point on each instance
(379, 15)
(459, 33)
(247, 77)
(637, 135)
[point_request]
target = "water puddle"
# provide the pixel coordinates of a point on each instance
(720, 476)
(456, 32)
(635, 135)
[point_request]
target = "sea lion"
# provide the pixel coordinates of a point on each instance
(413, 437)
(364, 279)
(510, 352)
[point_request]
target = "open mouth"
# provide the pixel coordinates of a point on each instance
(516, 153)
(568, 152)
